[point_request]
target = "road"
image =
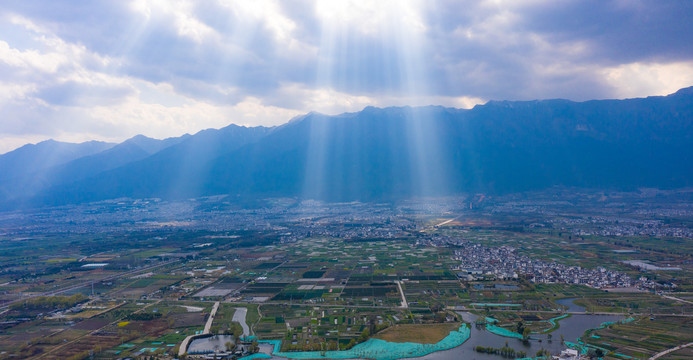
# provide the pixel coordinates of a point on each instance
(588, 313)
(660, 354)
(238, 291)
(210, 320)
(86, 283)
(677, 299)
(401, 293)
(208, 326)
(336, 305)
(95, 331)
(447, 221)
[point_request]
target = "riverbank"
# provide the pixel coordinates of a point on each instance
(379, 349)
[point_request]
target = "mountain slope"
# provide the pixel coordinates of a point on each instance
(401, 152)
(172, 172)
(19, 167)
(31, 158)
(58, 167)
(498, 147)
(131, 150)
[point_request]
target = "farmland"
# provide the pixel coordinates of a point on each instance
(141, 293)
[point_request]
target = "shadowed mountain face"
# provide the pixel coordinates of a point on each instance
(136, 148)
(32, 158)
(52, 163)
(21, 170)
(499, 147)
(177, 170)
(381, 154)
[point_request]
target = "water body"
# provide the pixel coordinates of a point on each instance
(239, 317)
(571, 328)
(572, 307)
(210, 344)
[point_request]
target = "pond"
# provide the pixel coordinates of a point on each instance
(570, 304)
(210, 344)
(571, 328)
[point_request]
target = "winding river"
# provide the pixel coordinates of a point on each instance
(571, 328)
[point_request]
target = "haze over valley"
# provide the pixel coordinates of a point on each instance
(378, 154)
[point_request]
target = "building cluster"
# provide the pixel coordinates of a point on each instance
(479, 261)
(620, 226)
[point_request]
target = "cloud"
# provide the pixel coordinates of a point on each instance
(74, 93)
(110, 69)
(617, 31)
(634, 79)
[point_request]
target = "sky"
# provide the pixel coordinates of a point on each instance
(111, 69)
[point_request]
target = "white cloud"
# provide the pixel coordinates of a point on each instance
(31, 60)
(180, 13)
(372, 17)
(163, 68)
(331, 101)
(156, 120)
(267, 12)
(645, 79)
(56, 68)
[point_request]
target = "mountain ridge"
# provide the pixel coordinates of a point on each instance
(395, 152)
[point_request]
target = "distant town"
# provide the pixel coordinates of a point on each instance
(210, 277)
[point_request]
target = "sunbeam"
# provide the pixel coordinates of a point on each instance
(346, 179)
(389, 35)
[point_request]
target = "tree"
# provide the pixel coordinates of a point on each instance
(520, 327)
(595, 353)
(543, 353)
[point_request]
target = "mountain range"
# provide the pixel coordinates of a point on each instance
(377, 154)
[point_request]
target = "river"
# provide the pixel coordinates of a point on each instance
(571, 328)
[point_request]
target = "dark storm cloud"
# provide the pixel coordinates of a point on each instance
(620, 31)
(287, 54)
(498, 60)
(510, 59)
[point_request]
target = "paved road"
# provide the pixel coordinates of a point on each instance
(184, 345)
(677, 299)
(660, 354)
(584, 313)
(208, 325)
(95, 331)
(401, 293)
(86, 283)
(238, 291)
(336, 305)
(447, 221)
